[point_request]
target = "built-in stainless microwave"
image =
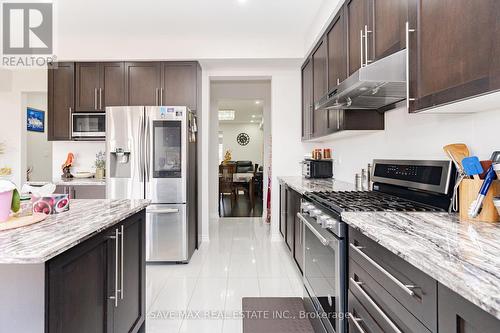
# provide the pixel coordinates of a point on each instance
(88, 126)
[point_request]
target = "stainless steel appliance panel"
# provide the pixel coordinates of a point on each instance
(125, 153)
(88, 126)
(166, 233)
(324, 273)
(166, 154)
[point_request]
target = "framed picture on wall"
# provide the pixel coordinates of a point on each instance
(35, 120)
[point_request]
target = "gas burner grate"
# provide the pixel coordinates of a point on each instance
(357, 201)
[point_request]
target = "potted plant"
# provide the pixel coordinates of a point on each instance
(9, 199)
(100, 165)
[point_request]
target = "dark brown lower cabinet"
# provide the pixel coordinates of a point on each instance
(83, 191)
(83, 282)
(381, 298)
(292, 208)
(283, 211)
(457, 315)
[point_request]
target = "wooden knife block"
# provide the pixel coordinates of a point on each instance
(469, 190)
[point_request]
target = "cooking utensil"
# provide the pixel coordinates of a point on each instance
(496, 202)
(495, 157)
(477, 205)
(472, 166)
(457, 152)
(496, 167)
(486, 166)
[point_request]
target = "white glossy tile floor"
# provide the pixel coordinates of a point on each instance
(205, 295)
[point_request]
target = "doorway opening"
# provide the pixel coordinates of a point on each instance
(242, 136)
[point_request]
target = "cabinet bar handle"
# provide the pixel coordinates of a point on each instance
(115, 296)
(100, 98)
(356, 321)
(361, 48)
(122, 286)
(70, 123)
(375, 306)
(157, 96)
(407, 288)
(320, 237)
(366, 45)
(161, 96)
(95, 98)
(408, 98)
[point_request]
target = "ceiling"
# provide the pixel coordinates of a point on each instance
(201, 29)
(246, 110)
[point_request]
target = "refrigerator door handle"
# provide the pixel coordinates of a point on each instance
(140, 159)
(148, 149)
(163, 211)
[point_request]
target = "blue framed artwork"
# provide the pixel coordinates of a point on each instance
(35, 120)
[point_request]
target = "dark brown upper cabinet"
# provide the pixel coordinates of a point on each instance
(320, 87)
(87, 87)
(356, 12)
(454, 51)
(337, 51)
(112, 84)
(99, 85)
(61, 102)
(307, 99)
(320, 78)
(386, 28)
(179, 84)
(143, 83)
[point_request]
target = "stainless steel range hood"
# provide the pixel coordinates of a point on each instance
(372, 87)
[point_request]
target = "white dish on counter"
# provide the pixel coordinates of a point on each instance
(81, 175)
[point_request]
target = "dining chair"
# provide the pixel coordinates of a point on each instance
(226, 184)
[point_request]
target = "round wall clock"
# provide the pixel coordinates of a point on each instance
(243, 139)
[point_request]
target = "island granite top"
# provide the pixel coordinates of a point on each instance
(43, 241)
(461, 255)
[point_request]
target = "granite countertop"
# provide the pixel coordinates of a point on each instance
(304, 185)
(462, 255)
(79, 181)
(42, 241)
(70, 182)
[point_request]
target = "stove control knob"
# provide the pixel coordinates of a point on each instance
(314, 212)
(329, 223)
(322, 220)
(306, 207)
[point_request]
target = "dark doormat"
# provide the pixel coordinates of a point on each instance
(275, 315)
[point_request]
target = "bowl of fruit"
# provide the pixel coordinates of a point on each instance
(51, 204)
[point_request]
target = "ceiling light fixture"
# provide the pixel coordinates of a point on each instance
(258, 102)
(226, 114)
(253, 116)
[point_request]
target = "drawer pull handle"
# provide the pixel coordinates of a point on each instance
(406, 287)
(374, 305)
(356, 321)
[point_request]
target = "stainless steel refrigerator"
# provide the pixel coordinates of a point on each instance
(151, 154)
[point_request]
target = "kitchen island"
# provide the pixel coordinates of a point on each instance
(79, 271)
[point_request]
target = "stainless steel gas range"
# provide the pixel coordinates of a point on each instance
(399, 186)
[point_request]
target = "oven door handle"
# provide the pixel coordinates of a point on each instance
(321, 238)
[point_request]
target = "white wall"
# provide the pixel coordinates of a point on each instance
(84, 156)
(417, 136)
(38, 148)
(14, 89)
(253, 151)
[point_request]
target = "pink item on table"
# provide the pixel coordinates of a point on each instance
(5, 204)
